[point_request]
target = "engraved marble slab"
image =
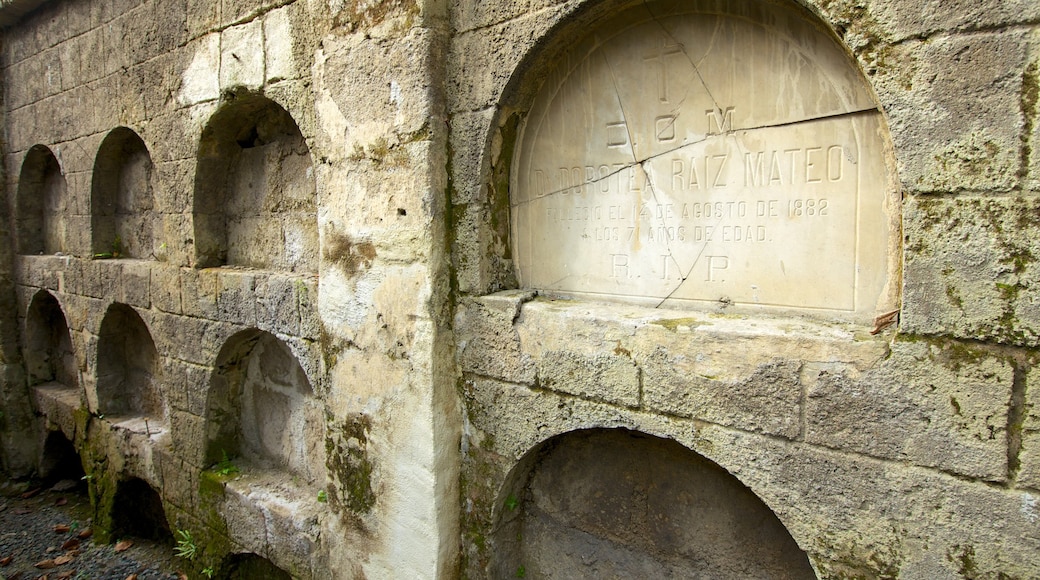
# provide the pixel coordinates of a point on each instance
(698, 152)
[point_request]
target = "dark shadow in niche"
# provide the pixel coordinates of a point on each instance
(250, 566)
(610, 503)
(122, 198)
(60, 460)
(262, 410)
(127, 366)
(41, 204)
(138, 511)
(49, 357)
(255, 192)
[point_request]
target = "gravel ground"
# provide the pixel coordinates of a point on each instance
(47, 535)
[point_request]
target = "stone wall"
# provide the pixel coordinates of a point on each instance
(273, 262)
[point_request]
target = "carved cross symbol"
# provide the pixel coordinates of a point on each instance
(657, 58)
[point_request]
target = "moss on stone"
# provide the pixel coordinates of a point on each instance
(349, 465)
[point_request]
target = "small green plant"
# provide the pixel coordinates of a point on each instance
(185, 545)
(521, 572)
(117, 246)
(208, 572)
(323, 497)
(224, 466)
(512, 503)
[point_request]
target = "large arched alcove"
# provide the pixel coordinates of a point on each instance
(128, 368)
(692, 154)
(122, 197)
(613, 503)
(262, 409)
(255, 197)
(41, 204)
(49, 355)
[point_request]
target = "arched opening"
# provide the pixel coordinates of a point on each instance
(122, 197)
(250, 566)
(613, 503)
(255, 191)
(692, 154)
(41, 204)
(127, 367)
(137, 510)
(59, 460)
(49, 355)
(262, 408)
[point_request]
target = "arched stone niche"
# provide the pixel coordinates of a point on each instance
(613, 503)
(246, 566)
(122, 197)
(255, 197)
(49, 355)
(128, 368)
(41, 204)
(262, 409)
(691, 154)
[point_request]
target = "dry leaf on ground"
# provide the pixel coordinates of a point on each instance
(45, 564)
(70, 544)
(61, 528)
(124, 545)
(62, 560)
(84, 534)
(61, 501)
(6, 560)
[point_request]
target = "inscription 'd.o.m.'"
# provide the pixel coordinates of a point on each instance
(689, 156)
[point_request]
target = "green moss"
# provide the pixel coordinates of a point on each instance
(673, 324)
(346, 446)
(1027, 104)
(964, 557)
(349, 254)
(365, 15)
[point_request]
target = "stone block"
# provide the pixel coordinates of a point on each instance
(604, 377)
(199, 293)
(201, 78)
(202, 17)
(955, 114)
(166, 290)
(277, 304)
(488, 343)
(232, 11)
(469, 132)
(935, 404)
(196, 388)
(1029, 454)
(236, 297)
(245, 519)
(905, 20)
(971, 268)
(172, 373)
(470, 14)
(137, 283)
(188, 433)
(307, 295)
(242, 56)
(278, 51)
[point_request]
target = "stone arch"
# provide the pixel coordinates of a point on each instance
(128, 367)
(617, 503)
(601, 188)
(49, 354)
(122, 197)
(255, 195)
(247, 565)
(41, 205)
(262, 408)
(59, 459)
(137, 510)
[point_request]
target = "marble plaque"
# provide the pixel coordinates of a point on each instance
(703, 152)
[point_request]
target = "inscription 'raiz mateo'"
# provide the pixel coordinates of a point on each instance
(650, 170)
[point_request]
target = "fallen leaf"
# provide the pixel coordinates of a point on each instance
(60, 501)
(86, 533)
(31, 493)
(22, 511)
(124, 545)
(62, 560)
(70, 544)
(132, 577)
(65, 575)
(181, 575)
(5, 561)
(61, 528)
(45, 564)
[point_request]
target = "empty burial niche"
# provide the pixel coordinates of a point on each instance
(41, 204)
(138, 511)
(620, 504)
(262, 409)
(49, 356)
(127, 366)
(255, 192)
(250, 567)
(59, 460)
(698, 153)
(122, 198)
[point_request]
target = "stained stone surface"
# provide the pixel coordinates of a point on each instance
(694, 153)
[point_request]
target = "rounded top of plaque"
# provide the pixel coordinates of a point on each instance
(689, 153)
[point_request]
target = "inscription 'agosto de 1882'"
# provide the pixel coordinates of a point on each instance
(686, 155)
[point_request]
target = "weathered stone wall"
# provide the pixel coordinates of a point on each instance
(306, 208)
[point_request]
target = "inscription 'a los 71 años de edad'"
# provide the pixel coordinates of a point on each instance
(655, 168)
